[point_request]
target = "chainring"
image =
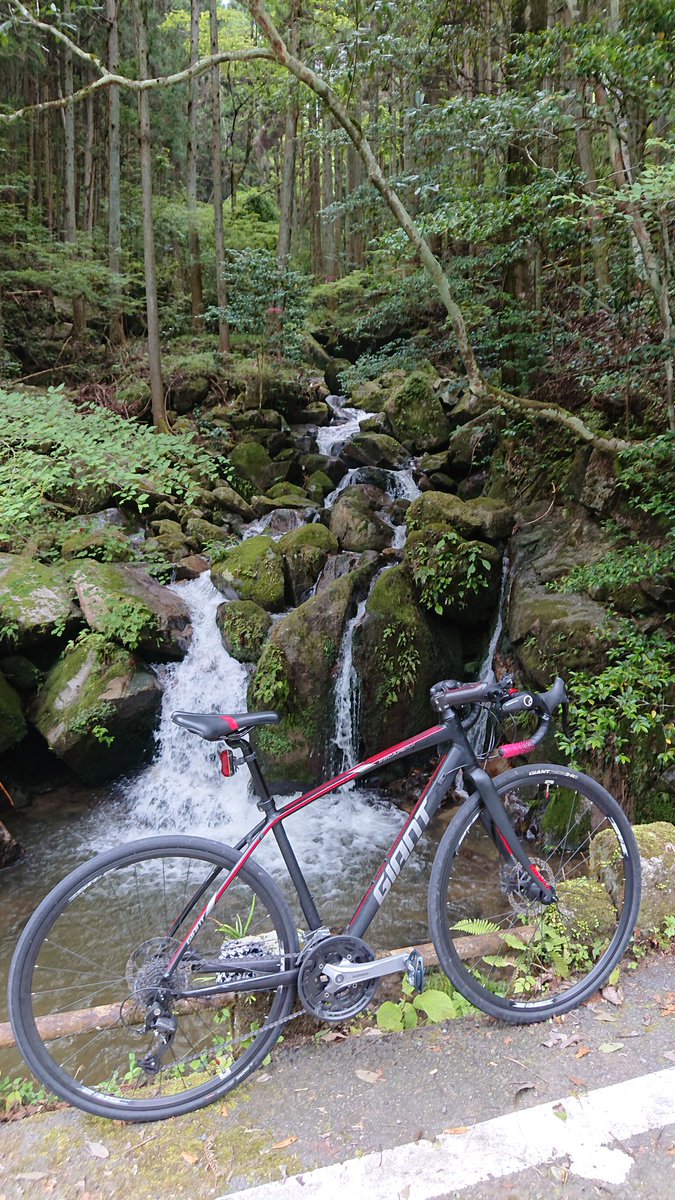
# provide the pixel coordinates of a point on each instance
(312, 982)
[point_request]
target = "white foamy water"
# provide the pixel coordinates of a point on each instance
(347, 695)
(345, 425)
(183, 791)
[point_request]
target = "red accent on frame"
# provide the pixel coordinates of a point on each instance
(505, 842)
(231, 722)
(401, 745)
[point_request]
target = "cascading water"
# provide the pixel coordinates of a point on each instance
(331, 438)
(477, 736)
(345, 739)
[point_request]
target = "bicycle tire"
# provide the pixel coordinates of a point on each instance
(114, 911)
(583, 934)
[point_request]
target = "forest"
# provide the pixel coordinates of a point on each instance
(457, 217)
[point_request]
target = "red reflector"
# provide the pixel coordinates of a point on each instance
(227, 764)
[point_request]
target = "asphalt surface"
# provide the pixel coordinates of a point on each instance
(328, 1100)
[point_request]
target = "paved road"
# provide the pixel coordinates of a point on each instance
(577, 1108)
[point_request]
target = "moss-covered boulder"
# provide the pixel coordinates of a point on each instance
(223, 496)
(485, 519)
(253, 570)
(97, 709)
(416, 414)
(252, 462)
(399, 652)
(355, 521)
(553, 633)
(318, 485)
(21, 673)
(454, 577)
(128, 606)
(200, 533)
(295, 677)
(243, 628)
(12, 723)
(286, 489)
(656, 843)
(305, 552)
(107, 543)
(375, 450)
(584, 912)
(36, 601)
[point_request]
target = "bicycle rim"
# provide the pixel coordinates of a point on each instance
(516, 958)
(91, 955)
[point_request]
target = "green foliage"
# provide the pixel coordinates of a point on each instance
(266, 302)
(647, 476)
(621, 567)
(397, 354)
(271, 684)
(399, 661)
(439, 1002)
(625, 711)
(55, 455)
(18, 1091)
(448, 571)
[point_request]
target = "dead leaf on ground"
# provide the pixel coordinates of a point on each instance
(562, 1040)
(560, 1112)
(457, 1129)
(524, 1087)
(582, 1052)
(613, 995)
(97, 1149)
(605, 1016)
(286, 1142)
(190, 1159)
(610, 1047)
(576, 1081)
(333, 1035)
(369, 1076)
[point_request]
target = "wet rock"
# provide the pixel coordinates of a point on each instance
(399, 652)
(21, 673)
(355, 521)
(375, 450)
(416, 414)
(482, 518)
(333, 372)
(127, 605)
(452, 576)
(36, 601)
(252, 461)
(12, 724)
(98, 709)
(10, 850)
(253, 570)
(656, 843)
(305, 552)
(262, 505)
(243, 628)
(341, 564)
(226, 498)
(318, 485)
(191, 567)
(333, 467)
(317, 413)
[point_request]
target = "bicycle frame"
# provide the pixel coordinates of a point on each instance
(459, 756)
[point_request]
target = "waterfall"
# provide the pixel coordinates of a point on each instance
(478, 734)
(347, 695)
(331, 438)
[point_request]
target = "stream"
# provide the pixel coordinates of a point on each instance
(339, 841)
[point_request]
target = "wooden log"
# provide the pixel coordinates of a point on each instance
(106, 1016)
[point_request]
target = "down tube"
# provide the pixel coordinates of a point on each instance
(412, 831)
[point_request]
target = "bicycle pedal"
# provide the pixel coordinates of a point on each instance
(415, 970)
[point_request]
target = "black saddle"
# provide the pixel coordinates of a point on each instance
(213, 726)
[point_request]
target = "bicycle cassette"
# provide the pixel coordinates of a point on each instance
(317, 997)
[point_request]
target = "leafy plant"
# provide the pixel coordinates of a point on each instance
(399, 661)
(448, 570)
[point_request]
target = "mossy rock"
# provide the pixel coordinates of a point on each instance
(286, 489)
(295, 677)
(584, 912)
(21, 673)
(318, 485)
(223, 496)
(98, 709)
(243, 628)
(375, 450)
(656, 843)
(554, 633)
(400, 651)
(356, 523)
(416, 414)
(127, 605)
(454, 577)
(36, 602)
(305, 552)
(106, 543)
(483, 518)
(12, 723)
(253, 570)
(252, 461)
(200, 533)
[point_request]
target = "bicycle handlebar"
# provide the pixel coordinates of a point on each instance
(507, 700)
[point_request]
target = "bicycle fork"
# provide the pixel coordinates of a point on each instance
(498, 824)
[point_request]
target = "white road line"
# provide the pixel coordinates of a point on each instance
(584, 1129)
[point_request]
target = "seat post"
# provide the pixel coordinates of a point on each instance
(266, 799)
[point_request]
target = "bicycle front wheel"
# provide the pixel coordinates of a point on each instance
(516, 958)
(92, 956)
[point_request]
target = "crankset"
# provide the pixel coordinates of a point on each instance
(338, 976)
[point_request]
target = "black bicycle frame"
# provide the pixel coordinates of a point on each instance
(459, 756)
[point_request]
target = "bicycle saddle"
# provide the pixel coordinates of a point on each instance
(213, 726)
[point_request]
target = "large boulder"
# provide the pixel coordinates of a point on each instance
(400, 650)
(253, 570)
(127, 605)
(305, 552)
(295, 677)
(375, 450)
(252, 462)
(453, 577)
(656, 843)
(482, 518)
(355, 521)
(223, 496)
(553, 633)
(97, 709)
(416, 414)
(36, 602)
(12, 724)
(243, 628)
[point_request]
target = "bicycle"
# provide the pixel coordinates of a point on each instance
(175, 962)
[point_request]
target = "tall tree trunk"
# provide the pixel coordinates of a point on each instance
(217, 166)
(116, 328)
(69, 195)
(328, 223)
(314, 195)
(196, 291)
(290, 138)
(154, 356)
(89, 174)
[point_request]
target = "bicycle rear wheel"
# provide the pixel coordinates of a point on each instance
(85, 967)
(516, 958)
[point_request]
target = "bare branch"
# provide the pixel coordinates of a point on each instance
(90, 59)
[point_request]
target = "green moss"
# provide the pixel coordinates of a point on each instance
(416, 414)
(270, 687)
(252, 461)
(309, 535)
(253, 570)
(286, 489)
(243, 627)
